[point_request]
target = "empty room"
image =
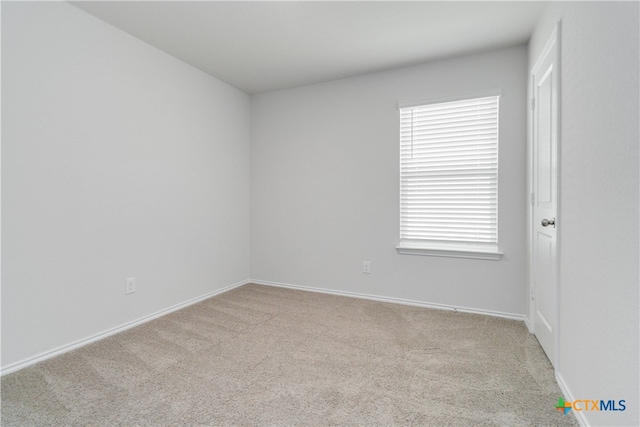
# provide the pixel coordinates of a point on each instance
(320, 213)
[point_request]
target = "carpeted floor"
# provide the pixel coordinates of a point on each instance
(260, 355)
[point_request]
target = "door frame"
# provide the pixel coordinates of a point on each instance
(554, 37)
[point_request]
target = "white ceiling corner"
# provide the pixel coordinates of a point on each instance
(261, 46)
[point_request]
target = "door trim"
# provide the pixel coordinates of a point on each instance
(554, 37)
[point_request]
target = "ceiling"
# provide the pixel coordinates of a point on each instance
(271, 45)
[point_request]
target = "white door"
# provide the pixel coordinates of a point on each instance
(545, 79)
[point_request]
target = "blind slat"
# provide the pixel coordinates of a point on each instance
(449, 171)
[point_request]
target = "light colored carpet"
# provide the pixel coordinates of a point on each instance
(269, 356)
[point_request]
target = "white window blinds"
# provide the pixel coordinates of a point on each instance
(449, 172)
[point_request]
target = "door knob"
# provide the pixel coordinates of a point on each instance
(548, 222)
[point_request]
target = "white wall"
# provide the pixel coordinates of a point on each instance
(324, 186)
(598, 220)
(118, 161)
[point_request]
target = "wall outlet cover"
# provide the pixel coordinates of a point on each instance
(366, 267)
(130, 286)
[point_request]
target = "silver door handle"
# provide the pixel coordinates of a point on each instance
(548, 222)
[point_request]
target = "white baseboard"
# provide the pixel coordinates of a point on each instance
(393, 300)
(81, 343)
(569, 397)
(528, 323)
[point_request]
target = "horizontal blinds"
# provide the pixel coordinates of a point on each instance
(449, 171)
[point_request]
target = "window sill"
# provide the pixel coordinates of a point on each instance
(473, 252)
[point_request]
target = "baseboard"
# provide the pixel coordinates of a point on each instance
(570, 398)
(393, 300)
(81, 343)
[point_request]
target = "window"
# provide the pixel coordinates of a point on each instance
(449, 179)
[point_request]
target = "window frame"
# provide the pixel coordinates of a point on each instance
(453, 249)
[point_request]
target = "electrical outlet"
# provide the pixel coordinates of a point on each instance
(130, 286)
(366, 267)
